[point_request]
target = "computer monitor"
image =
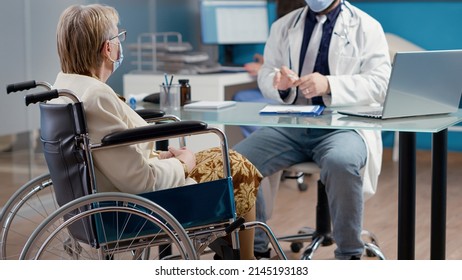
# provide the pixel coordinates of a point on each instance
(227, 22)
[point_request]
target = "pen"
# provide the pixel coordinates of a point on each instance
(165, 78)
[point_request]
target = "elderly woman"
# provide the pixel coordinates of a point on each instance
(90, 50)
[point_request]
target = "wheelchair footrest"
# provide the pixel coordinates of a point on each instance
(223, 250)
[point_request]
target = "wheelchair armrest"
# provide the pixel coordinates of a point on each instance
(149, 132)
(150, 113)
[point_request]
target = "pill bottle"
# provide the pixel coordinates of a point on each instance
(185, 91)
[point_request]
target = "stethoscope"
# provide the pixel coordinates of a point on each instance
(342, 35)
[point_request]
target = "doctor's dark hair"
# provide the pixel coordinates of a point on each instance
(81, 33)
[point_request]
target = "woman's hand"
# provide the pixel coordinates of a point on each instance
(184, 155)
(164, 154)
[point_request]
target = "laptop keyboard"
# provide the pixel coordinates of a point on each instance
(373, 114)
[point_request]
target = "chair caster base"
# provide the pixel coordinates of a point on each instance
(295, 247)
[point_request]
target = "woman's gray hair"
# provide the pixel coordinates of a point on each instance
(81, 34)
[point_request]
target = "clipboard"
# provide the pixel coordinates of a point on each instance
(303, 110)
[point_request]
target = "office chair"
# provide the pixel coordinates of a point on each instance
(321, 235)
(298, 172)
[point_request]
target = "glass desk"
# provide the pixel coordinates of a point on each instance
(246, 113)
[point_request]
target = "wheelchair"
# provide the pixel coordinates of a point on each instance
(92, 225)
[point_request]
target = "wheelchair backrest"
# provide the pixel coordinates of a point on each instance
(63, 128)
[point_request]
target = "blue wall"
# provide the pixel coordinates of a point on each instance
(431, 25)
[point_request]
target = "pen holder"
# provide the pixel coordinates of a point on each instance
(169, 98)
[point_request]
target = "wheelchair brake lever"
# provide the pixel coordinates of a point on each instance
(234, 225)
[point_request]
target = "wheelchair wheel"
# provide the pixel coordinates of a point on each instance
(22, 214)
(109, 226)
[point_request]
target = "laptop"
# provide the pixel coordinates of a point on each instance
(421, 83)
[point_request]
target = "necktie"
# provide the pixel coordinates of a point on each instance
(312, 54)
(313, 47)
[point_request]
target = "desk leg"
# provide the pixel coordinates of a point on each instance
(406, 195)
(439, 188)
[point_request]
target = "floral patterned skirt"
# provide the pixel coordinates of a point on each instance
(246, 178)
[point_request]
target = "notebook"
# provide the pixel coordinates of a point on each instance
(421, 83)
(210, 104)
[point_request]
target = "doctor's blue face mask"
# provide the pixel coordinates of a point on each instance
(319, 5)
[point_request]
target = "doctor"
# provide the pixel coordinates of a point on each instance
(334, 54)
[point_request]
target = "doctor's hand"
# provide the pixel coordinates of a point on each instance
(312, 85)
(184, 155)
(284, 78)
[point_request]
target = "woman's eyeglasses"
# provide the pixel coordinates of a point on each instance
(122, 35)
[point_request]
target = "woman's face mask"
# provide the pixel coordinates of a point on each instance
(118, 62)
(318, 5)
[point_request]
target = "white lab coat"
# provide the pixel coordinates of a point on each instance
(359, 64)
